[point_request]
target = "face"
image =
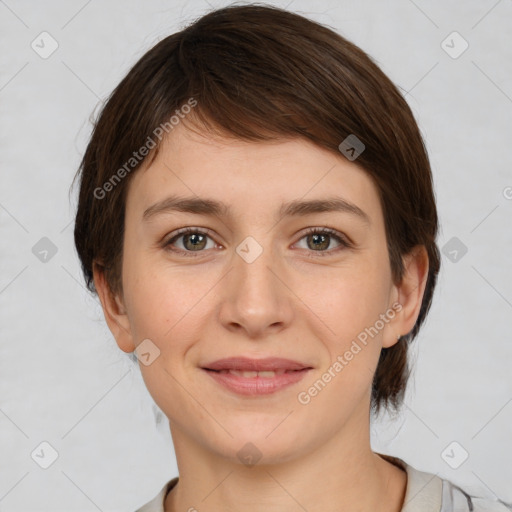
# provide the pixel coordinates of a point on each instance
(258, 280)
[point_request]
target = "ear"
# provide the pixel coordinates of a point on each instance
(408, 294)
(113, 310)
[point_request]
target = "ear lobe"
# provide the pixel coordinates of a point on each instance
(410, 293)
(113, 310)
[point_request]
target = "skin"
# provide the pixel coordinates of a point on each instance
(198, 309)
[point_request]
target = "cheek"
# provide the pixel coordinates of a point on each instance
(347, 299)
(164, 302)
(351, 306)
(353, 345)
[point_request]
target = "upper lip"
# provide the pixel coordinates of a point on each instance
(256, 365)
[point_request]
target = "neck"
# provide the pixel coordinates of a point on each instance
(340, 474)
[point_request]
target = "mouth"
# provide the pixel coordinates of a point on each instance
(255, 383)
(276, 365)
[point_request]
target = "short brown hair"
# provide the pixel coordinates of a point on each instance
(258, 72)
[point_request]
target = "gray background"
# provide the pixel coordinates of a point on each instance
(62, 378)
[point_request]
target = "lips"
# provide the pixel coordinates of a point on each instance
(256, 377)
(245, 364)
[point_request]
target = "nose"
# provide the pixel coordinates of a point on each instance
(255, 297)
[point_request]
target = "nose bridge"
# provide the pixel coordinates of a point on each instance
(254, 273)
(256, 298)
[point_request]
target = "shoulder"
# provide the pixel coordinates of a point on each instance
(157, 503)
(426, 492)
(457, 499)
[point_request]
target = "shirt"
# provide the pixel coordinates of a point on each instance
(424, 492)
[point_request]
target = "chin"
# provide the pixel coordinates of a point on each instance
(259, 445)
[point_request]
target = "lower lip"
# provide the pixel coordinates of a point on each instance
(254, 386)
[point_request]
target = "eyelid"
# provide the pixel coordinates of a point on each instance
(330, 231)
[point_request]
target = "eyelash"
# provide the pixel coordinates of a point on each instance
(342, 240)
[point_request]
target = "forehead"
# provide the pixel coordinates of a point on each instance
(249, 177)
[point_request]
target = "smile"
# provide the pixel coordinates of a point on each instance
(253, 383)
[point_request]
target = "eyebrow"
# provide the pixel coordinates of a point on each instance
(205, 206)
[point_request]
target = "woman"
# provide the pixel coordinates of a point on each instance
(257, 216)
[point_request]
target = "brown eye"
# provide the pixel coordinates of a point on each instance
(318, 240)
(194, 241)
(188, 240)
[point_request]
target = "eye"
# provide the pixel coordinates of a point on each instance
(319, 239)
(193, 240)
